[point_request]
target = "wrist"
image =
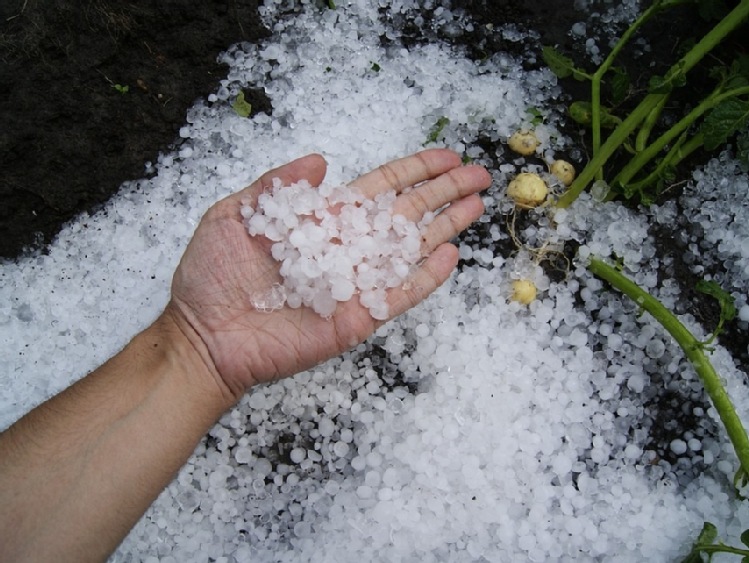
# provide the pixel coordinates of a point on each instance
(185, 351)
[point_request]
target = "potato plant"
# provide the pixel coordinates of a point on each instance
(720, 116)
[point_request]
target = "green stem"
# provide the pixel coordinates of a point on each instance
(651, 101)
(595, 117)
(643, 158)
(693, 350)
(678, 152)
(597, 78)
(647, 126)
(617, 138)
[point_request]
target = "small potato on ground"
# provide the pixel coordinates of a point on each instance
(523, 291)
(564, 171)
(527, 190)
(523, 142)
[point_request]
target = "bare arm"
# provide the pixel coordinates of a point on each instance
(77, 472)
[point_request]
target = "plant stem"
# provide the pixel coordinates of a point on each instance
(595, 82)
(693, 349)
(617, 138)
(647, 126)
(678, 152)
(651, 101)
(643, 158)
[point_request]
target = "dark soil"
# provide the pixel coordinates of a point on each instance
(92, 90)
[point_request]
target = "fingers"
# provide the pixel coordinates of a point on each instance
(442, 257)
(408, 171)
(429, 276)
(453, 185)
(451, 222)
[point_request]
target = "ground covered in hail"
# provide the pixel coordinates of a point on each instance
(473, 428)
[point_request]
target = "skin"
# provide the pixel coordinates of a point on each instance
(78, 471)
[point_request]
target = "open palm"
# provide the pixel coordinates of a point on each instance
(224, 266)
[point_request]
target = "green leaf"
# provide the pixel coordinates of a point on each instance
(558, 63)
(561, 65)
(619, 85)
(434, 132)
(665, 84)
(582, 112)
(375, 67)
(536, 115)
(739, 74)
(745, 537)
(708, 535)
(723, 121)
(241, 107)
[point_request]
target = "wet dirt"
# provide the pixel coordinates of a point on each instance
(91, 91)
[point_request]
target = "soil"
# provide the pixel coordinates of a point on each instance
(92, 90)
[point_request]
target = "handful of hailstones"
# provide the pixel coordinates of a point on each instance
(333, 243)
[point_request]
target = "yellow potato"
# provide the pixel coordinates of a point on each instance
(523, 142)
(527, 190)
(564, 171)
(523, 291)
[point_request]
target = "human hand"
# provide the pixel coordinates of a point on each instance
(223, 266)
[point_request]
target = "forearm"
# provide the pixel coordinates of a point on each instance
(77, 472)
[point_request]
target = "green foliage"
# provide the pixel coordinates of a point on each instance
(738, 76)
(561, 65)
(240, 106)
(620, 84)
(723, 121)
(707, 545)
(537, 117)
(693, 350)
(712, 382)
(717, 119)
(582, 113)
(436, 130)
(121, 89)
(666, 84)
(707, 536)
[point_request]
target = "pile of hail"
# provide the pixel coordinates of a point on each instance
(333, 243)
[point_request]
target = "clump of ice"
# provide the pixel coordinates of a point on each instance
(716, 239)
(333, 243)
(605, 24)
